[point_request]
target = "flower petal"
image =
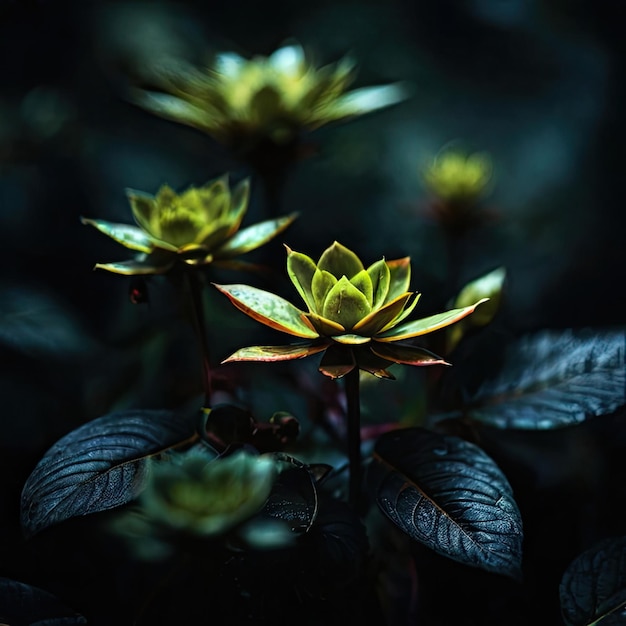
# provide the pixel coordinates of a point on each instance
(254, 236)
(381, 276)
(366, 99)
(409, 355)
(135, 267)
(301, 269)
(275, 353)
(340, 261)
(325, 327)
(351, 339)
(174, 108)
(379, 319)
(240, 196)
(321, 284)
(400, 277)
(269, 309)
(229, 64)
(427, 324)
(369, 362)
(288, 60)
(143, 206)
(345, 304)
(363, 282)
(129, 236)
(337, 361)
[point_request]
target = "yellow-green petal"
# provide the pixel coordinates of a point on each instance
(378, 319)
(340, 261)
(325, 327)
(408, 309)
(400, 277)
(129, 236)
(363, 282)
(351, 339)
(301, 269)
(253, 236)
(345, 304)
(275, 353)
(269, 309)
(407, 355)
(172, 108)
(380, 274)
(135, 267)
(366, 99)
(240, 197)
(427, 324)
(321, 284)
(143, 206)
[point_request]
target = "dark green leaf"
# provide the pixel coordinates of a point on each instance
(593, 587)
(99, 466)
(40, 325)
(21, 605)
(449, 495)
(294, 496)
(555, 379)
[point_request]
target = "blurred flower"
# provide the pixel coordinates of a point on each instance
(353, 315)
(197, 227)
(202, 497)
(455, 176)
(270, 97)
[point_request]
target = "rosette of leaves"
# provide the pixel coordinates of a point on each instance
(355, 315)
(270, 97)
(197, 227)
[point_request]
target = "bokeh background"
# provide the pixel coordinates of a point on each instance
(537, 84)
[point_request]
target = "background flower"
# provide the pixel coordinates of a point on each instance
(272, 96)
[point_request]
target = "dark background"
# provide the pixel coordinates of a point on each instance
(537, 84)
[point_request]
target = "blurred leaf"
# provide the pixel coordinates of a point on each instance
(99, 466)
(593, 588)
(490, 286)
(21, 604)
(39, 325)
(555, 379)
(449, 495)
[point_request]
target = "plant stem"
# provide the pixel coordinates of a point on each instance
(354, 436)
(197, 318)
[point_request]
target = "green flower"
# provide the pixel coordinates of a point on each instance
(202, 497)
(197, 227)
(455, 176)
(272, 97)
(354, 314)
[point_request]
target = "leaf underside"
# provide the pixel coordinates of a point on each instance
(24, 604)
(449, 495)
(99, 466)
(594, 585)
(555, 379)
